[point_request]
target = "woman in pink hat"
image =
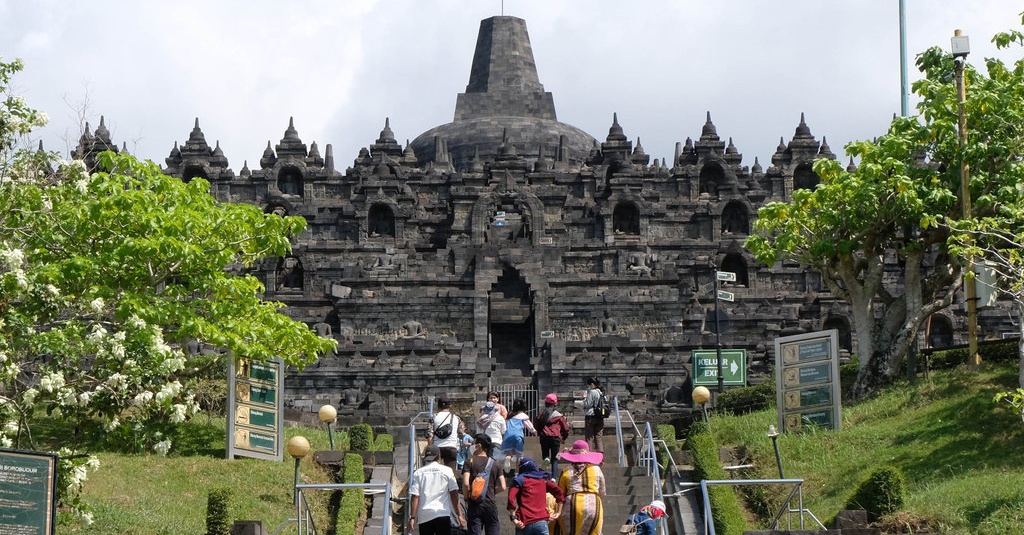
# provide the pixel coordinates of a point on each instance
(553, 429)
(583, 484)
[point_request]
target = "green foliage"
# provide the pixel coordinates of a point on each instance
(361, 437)
(728, 516)
(747, 398)
(218, 511)
(384, 442)
(883, 493)
(666, 432)
(352, 503)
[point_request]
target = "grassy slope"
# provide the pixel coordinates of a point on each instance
(147, 494)
(963, 456)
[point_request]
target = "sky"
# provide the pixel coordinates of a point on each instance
(340, 67)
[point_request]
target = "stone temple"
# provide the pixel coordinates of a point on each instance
(508, 248)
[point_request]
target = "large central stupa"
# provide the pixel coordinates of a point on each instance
(504, 102)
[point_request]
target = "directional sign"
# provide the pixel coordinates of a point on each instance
(705, 367)
(726, 296)
(727, 276)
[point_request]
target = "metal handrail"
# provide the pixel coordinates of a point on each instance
(307, 518)
(785, 508)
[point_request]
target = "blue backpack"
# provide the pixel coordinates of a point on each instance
(514, 435)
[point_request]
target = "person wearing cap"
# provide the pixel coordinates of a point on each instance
(493, 397)
(435, 496)
(646, 520)
(527, 499)
(593, 420)
(554, 430)
(491, 423)
(448, 444)
(584, 485)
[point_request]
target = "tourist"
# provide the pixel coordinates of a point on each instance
(513, 441)
(583, 484)
(593, 420)
(435, 496)
(493, 397)
(553, 430)
(491, 423)
(527, 499)
(483, 516)
(646, 520)
(444, 432)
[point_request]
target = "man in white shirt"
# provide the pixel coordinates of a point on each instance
(435, 495)
(446, 423)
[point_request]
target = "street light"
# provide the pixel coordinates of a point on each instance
(961, 47)
(328, 414)
(297, 447)
(774, 435)
(701, 395)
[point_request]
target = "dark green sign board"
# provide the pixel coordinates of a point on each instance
(808, 380)
(256, 428)
(705, 367)
(28, 499)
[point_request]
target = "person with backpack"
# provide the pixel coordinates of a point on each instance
(444, 432)
(513, 441)
(482, 481)
(553, 430)
(593, 415)
(645, 521)
(527, 499)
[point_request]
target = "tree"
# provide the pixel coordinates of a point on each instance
(103, 279)
(888, 219)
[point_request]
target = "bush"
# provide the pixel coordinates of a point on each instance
(360, 437)
(666, 432)
(747, 399)
(384, 443)
(881, 494)
(728, 516)
(218, 511)
(352, 504)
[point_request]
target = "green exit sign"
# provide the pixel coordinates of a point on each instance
(705, 367)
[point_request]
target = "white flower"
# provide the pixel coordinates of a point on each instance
(29, 396)
(96, 305)
(42, 118)
(6, 442)
(168, 391)
(82, 186)
(93, 463)
(11, 427)
(51, 381)
(162, 447)
(87, 518)
(52, 290)
(47, 204)
(178, 414)
(12, 258)
(112, 424)
(83, 398)
(142, 398)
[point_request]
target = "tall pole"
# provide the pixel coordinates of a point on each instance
(904, 89)
(718, 337)
(970, 290)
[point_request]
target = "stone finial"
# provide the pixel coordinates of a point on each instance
(386, 134)
(825, 151)
(124, 147)
(802, 130)
(329, 158)
(731, 149)
(542, 163)
(196, 137)
(269, 158)
(852, 166)
(245, 172)
(756, 168)
(709, 130)
(615, 132)
(102, 134)
(291, 133)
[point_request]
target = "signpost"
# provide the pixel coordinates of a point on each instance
(808, 391)
(705, 367)
(255, 409)
(28, 492)
(721, 295)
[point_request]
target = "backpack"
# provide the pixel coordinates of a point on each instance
(478, 487)
(514, 435)
(602, 410)
(445, 429)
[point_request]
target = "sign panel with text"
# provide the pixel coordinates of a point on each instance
(807, 382)
(255, 409)
(705, 367)
(28, 499)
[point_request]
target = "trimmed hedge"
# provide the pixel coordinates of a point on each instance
(360, 437)
(353, 505)
(384, 443)
(666, 432)
(218, 511)
(882, 493)
(747, 399)
(725, 506)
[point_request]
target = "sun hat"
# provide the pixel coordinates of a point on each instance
(580, 453)
(551, 398)
(431, 453)
(489, 407)
(658, 504)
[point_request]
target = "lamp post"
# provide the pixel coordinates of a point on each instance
(961, 46)
(297, 447)
(774, 435)
(701, 395)
(328, 414)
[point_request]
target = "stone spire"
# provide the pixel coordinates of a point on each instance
(504, 76)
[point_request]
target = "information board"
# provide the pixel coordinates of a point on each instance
(807, 382)
(255, 409)
(705, 367)
(28, 499)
